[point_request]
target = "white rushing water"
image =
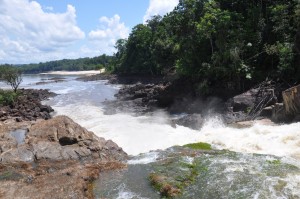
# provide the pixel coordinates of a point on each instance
(82, 101)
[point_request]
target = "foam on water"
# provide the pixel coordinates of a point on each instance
(127, 194)
(144, 158)
(282, 140)
(82, 101)
(142, 134)
(134, 134)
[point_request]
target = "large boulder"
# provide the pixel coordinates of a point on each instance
(244, 101)
(57, 159)
(60, 139)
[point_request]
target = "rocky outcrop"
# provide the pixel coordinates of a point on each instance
(138, 98)
(60, 139)
(28, 106)
(259, 102)
(291, 100)
(57, 157)
(289, 110)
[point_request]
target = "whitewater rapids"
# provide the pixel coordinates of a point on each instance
(82, 101)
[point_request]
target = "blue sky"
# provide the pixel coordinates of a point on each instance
(44, 30)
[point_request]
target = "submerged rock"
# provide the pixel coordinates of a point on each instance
(182, 172)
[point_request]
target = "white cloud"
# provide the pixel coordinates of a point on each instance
(27, 31)
(108, 32)
(50, 8)
(159, 7)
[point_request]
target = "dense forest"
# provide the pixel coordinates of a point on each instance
(80, 64)
(226, 44)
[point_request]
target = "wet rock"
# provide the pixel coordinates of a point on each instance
(267, 112)
(244, 101)
(194, 121)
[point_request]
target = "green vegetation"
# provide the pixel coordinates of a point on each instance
(199, 146)
(7, 97)
(95, 63)
(274, 162)
(11, 76)
(171, 177)
(225, 44)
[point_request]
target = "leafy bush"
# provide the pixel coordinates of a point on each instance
(7, 97)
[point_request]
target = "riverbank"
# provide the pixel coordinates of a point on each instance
(53, 156)
(143, 95)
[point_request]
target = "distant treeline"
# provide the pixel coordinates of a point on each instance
(217, 43)
(80, 64)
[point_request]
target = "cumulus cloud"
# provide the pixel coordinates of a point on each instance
(108, 32)
(27, 30)
(159, 7)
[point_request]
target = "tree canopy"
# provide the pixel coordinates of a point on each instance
(219, 43)
(11, 76)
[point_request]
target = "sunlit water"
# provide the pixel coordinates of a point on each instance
(82, 101)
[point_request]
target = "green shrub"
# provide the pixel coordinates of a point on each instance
(7, 97)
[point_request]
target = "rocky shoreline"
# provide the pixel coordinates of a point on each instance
(55, 157)
(28, 106)
(143, 95)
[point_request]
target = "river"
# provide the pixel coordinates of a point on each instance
(83, 102)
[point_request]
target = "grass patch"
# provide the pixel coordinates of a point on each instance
(199, 145)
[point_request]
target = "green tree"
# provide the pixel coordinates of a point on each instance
(12, 76)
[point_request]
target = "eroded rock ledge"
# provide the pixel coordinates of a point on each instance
(57, 159)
